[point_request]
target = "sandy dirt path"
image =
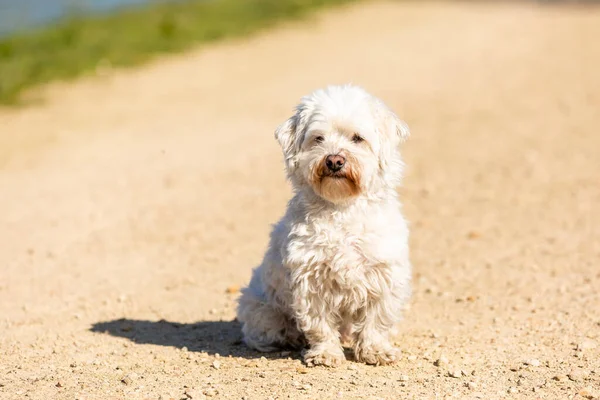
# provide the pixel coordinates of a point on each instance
(132, 202)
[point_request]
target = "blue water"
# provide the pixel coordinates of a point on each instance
(20, 15)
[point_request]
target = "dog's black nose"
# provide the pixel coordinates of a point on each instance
(335, 162)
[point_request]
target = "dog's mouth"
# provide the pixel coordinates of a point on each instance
(339, 185)
(341, 174)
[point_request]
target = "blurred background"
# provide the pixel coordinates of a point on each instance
(20, 15)
(46, 40)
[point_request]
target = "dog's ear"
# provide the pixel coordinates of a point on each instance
(396, 126)
(401, 128)
(287, 138)
(390, 124)
(395, 131)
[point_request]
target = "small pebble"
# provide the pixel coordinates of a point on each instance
(587, 344)
(302, 370)
(473, 235)
(411, 358)
(533, 362)
(210, 392)
(216, 364)
(404, 378)
(127, 380)
(576, 375)
(513, 390)
(193, 394)
(232, 289)
(472, 385)
(306, 386)
(559, 378)
(455, 373)
(589, 393)
(442, 361)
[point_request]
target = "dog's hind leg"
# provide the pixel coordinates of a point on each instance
(265, 327)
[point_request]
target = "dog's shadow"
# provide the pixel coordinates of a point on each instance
(212, 337)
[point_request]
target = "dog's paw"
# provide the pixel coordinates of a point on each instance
(374, 355)
(328, 356)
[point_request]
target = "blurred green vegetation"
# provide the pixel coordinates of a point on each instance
(77, 46)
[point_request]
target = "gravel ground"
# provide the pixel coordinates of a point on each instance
(135, 204)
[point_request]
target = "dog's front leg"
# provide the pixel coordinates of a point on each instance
(372, 343)
(324, 344)
(320, 330)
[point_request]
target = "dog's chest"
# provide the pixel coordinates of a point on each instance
(340, 256)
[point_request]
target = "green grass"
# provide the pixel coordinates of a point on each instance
(78, 45)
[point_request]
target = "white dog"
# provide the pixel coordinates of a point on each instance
(337, 263)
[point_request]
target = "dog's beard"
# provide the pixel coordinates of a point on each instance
(337, 186)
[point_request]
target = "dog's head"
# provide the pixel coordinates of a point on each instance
(342, 143)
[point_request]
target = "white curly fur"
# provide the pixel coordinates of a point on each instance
(338, 262)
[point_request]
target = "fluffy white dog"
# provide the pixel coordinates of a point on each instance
(337, 264)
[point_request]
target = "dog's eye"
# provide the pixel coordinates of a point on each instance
(319, 139)
(357, 138)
